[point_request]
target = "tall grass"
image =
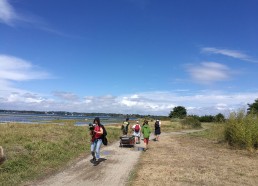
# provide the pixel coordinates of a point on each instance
(191, 122)
(242, 130)
(239, 130)
(213, 131)
(35, 150)
(166, 126)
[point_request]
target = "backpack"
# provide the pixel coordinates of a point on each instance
(137, 128)
(104, 138)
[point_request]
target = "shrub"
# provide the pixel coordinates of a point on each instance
(192, 122)
(242, 130)
(207, 118)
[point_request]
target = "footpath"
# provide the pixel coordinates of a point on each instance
(113, 170)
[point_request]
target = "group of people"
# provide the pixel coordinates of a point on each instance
(98, 133)
(144, 129)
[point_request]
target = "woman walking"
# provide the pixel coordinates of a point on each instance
(137, 132)
(96, 139)
(157, 130)
(146, 133)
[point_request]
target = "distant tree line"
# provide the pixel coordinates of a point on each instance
(181, 113)
(64, 113)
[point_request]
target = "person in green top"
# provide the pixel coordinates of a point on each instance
(146, 133)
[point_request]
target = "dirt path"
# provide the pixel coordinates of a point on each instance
(113, 169)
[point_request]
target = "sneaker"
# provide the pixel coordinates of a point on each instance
(93, 160)
(96, 162)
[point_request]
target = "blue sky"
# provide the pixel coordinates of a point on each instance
(128, 56)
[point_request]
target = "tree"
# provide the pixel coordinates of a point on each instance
(253, 108)
(219, 118)
(207, 118)
(178, 112)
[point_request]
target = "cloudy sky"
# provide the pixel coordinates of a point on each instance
(128, 56)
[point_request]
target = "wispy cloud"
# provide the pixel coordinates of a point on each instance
(209, 72)
(16, 69)
(7, 13)
(13, 70)
(66, 96)
(230, 53)
(9, 16)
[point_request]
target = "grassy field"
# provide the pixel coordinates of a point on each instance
(200, 158)
(190, 160)
(37, 150)
(213, 131)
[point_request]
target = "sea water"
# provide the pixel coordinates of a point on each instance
(49, 118)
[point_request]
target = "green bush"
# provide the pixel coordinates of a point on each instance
(242, 130)
(191, 122)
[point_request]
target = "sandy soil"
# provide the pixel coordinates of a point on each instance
(185, 160)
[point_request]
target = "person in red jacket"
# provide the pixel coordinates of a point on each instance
(96, 139)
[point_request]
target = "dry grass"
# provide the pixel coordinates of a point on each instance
(36, 150)
(186, 160)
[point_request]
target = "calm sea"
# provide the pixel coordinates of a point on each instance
(46, 118)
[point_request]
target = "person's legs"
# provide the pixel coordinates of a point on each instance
(156, 137)
(92, 148)
(135, 139)
(99, 142)
(146, 141)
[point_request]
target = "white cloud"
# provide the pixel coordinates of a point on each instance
(16, 69)
(154, 103)
(209, 72)
(231, 53)
(13, 70)
(7, 13)
(66, 96)
(9, 16)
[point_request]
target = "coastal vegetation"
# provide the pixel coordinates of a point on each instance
(240, 130)
(37, 150)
